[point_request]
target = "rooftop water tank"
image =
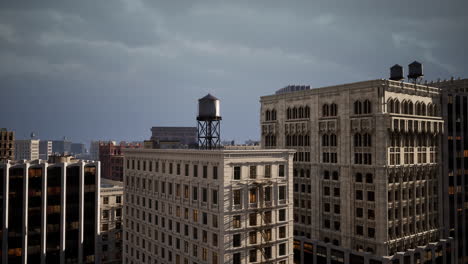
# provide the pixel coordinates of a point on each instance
(208, 108)
(396, 73)
(415, 70)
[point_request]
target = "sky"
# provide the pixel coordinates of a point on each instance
(110, 70)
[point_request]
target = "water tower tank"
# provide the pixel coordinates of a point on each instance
(396, 73)
(415, 70)
(208, 108)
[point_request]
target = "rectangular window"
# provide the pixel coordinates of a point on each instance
(215, 172)
(253, 237)
(195, 170)
(282, 232)
(186, 171)
(267, 194)
(195, 193)
(236, 240)
(204, 195)
(237, 194)
(253, 172)
(282, 249)
(282, 192)
(282, 215)
(267, 171)
(253, 195)
(281, 171)
(237, 173)
(214, 196)
(253, 219)
(236, 221)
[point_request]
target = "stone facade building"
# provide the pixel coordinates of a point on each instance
(111, 158)
(7, 145)
(208, 206)
(111, 221)
(367, 172)
(27, 149)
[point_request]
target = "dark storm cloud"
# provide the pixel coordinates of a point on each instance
(112, 69)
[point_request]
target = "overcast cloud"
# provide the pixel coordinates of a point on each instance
(95, 69)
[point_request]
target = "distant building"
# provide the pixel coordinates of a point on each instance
(111, 158)
(208, 206)
(45, 149)
(49, 211)
(27, 149)
(94, 149)
(111, 221)
(7, 144)
(77, 148)
(61, 146)
(174, 137)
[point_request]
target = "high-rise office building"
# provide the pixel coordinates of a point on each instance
(367, 171)
(208, 206)
(110, 241)
(111, 158)
(7, 144)
(27, 149)
(455, 148)
(45, 149)
(49, 211)
(77, 148)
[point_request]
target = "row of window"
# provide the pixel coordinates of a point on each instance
(253, 171)
(266, 236)
(270, 115)
(298, 112)
(407, 107)
(171, 168)
(266, 254)
(329, 110)
(253, 194)
(297, 140)
(302, 156)
(270, 140)
(361, 108)
(253, 218)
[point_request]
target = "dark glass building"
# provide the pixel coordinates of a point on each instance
(455, 112)
(49, 211)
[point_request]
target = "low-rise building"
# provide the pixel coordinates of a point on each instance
(7, 144)
(27, 149)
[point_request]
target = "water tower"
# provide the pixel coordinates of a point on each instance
(209, 129)
(396, 73)
(415, 71)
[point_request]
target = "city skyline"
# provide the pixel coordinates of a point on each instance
(99, 71)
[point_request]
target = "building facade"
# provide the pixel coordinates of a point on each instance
(27, 149)
(367, 170)
(45, 149)
(7, 145)
(77, 148)
(49, 211)
(111, 222)
(62, 147)
(455, 148)
(111, 158)
(208, 206)
(174, 137)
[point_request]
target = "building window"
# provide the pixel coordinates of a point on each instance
(359, 230)
(237, 197)
(267, 171)
(214, 197)
(236, 240)
(282, 215)
(236, 258)
(215, 172)
(267, 252)
(253, 237)
(282, 192)
(253, 255)
(267, 192)
(253, 172)
(205, 172)
(282, 232)
(281, 170)
(253, 195)
(237, 173)
(236, 221)
(282, 249)
(253, 219)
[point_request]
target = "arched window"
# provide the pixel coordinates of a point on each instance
(288, 113)
(367, 140)
(357, 108)
(333, 140)
(294, 113)
(410, 107)
(358, 177)
(405, 107)
(333, 109)
(307, 112)
(325, 110)
(418, 108)
(301, 112)
(435, 110)
(273, 114)
(357, 140)
(326, 175)
(390, 106)
(325, 140)
(369, 178)
(267, 115)
(423, 109)
(397, 106)
(367, 107)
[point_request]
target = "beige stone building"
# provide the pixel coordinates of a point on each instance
(208, 206)
(111, 201)
(27, 149)
(366, 171)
